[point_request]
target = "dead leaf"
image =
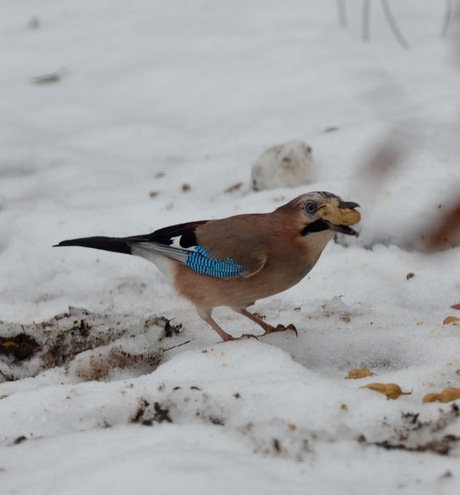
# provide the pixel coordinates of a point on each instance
(357, 373)
(391, 390)
(455, 306)
(445, 231)
(451, 320)
(233, 187)
(431, 397)
(47, 78)
(447, 395)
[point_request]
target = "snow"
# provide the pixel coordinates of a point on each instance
(151, 112)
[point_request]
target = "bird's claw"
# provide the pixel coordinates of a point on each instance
(230, 338)
(282, 328)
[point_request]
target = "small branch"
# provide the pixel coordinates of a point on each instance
(178, 345)
(366, 19)
(447, 17)
(394, 26)
(342, 12)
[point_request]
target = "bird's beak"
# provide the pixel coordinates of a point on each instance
(343, 229)
(348, 205)
(340, 218)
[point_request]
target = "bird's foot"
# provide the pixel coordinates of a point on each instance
(268, 328)
(248, 336)
(281, 328)
(244, 336)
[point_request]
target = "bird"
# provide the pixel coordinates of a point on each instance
(236, 261)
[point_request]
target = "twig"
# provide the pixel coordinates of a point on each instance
(178, 345)
(342, 12)
(366, 17)
(447, 17)
(394, 26)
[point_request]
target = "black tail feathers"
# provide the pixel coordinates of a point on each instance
(114, 244)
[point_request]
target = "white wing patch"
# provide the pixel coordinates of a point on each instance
(175, 243)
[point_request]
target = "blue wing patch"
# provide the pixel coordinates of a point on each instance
(199, 261)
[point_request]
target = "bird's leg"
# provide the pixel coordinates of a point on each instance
(268, 328)
(205, 314)
(222, 333)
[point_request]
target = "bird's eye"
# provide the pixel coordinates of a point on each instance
(310, 207)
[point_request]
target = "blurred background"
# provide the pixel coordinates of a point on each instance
(123, 117)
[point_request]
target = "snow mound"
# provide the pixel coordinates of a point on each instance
(89, 346)
(285, 165)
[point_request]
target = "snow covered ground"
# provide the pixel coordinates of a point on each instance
(119, 118)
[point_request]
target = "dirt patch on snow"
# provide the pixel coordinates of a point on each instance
(91, 346)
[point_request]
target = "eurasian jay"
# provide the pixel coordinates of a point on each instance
(237, 260)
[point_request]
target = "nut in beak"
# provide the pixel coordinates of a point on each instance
(339, 218)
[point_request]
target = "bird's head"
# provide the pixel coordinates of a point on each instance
(323, 211)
